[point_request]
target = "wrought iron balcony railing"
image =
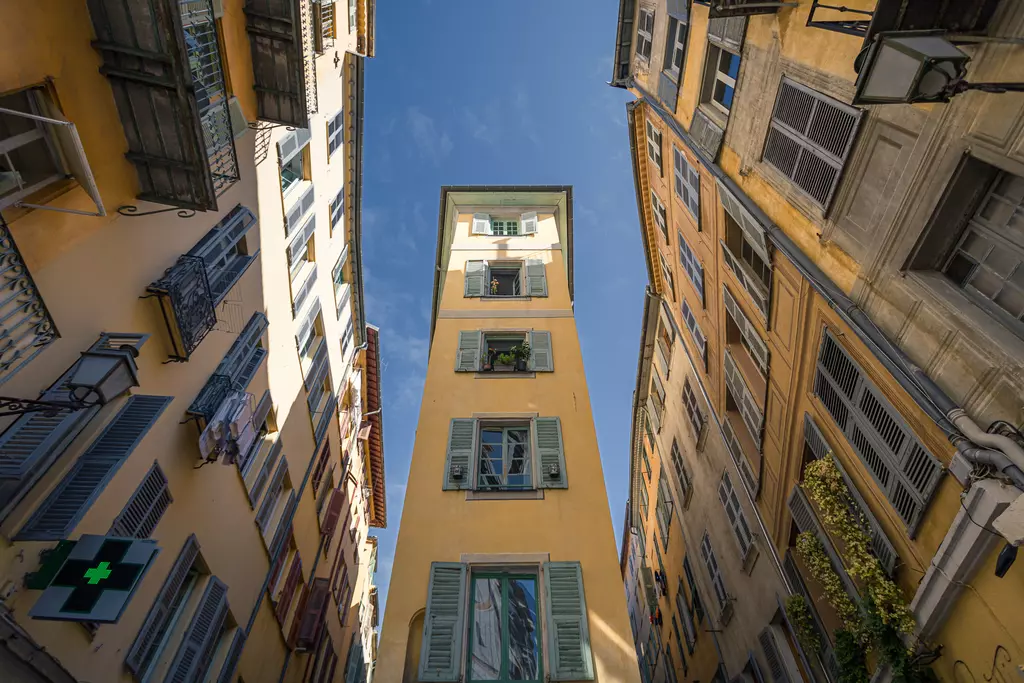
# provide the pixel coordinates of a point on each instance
(281, 38)
(233, 373)
(26, 327)
(867, 18)
(163, 61)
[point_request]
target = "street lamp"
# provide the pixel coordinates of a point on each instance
(98, 377)
(905, 67)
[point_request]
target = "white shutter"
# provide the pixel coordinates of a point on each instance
(529, 222)
(481, 224)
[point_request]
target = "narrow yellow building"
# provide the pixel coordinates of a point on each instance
(505, 567)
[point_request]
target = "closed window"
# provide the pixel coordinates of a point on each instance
(675, 47)
(687, 183)
(504, 641)
(666, 274)
(659, 214)
(722, 68)
(645, 502)
(504, 459)
(504, 226)
(666, 507)
(337, 209)
(505, 454)
(809, 139)
(695, 332)
(707, 554)
(335, 132)
(903, 468)
(693, 413)
(644, 33)
(679, 641)
(654, 145)
(734, 511)
(681, 474)
(691, 266)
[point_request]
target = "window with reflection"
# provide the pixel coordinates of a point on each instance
(504, 638)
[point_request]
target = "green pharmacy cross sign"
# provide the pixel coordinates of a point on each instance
(96, 579)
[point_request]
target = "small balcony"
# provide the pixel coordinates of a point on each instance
(163, 61)
(284, 75)
(234, 372)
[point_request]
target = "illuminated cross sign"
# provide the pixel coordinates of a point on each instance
(96, 580)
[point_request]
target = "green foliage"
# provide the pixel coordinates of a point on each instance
(816, 559)
(850, 658)
(906, 667)
(800, 617)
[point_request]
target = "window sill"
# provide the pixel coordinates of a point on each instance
(499, 374)
(501, 297)
(716, 115)
(535, 494)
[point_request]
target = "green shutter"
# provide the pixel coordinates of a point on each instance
(550, 453)
(476, 271)
(441, 652)
(467, 357)
(458, 465)
(541, 359)
(536, 279)
(568, 636)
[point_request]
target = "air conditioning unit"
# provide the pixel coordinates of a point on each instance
(239, 124)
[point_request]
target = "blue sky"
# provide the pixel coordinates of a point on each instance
(466, 92)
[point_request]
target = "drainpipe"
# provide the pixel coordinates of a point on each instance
(995, 459)
(998, 442)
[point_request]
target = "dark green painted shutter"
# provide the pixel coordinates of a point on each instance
(458, 464)
(536, 279)
(541, 358)
(467, 357)
(147, 505)
(192, 661)
(441, 652)
(147, 642)
(568, 636)
(354, 667)
(476, 271)
(66, 504)
(550, 453)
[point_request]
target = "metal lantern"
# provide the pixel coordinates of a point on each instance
(103, 375)
(908, 67)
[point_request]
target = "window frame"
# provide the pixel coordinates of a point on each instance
(693, 412)
(714, 570)
(505, 265)
(666, 273)
(683, 173)
(689, 262)
(515, 224)
(35, 96)
(734, 512)
(696, 333)
(336, 209)
(674, 47)
(486, 572)
(655, 145)
(660, 213)
(506, 425)
(645, 34)
(336, 137)
(713, 76)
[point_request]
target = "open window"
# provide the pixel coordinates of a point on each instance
(504, 351)
(505, 278)
(721, 70)
(39, 150)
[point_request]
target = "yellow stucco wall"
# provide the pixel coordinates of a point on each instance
(570, 524)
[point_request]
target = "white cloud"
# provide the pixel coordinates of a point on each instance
(431, 144)
(483, 126)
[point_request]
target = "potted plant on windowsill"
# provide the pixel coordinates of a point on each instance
(494, 286)
(504, 362)
(521, 356)
(487, 361)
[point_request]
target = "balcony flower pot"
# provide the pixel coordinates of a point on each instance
(520, 365)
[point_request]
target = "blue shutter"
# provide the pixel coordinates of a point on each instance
(441, 652)
(147, 642)
(467, 356)
(145, 508)
(218, 249)
(192, 661)
(550, 453)
(64, 507)
(536, 278)
(568, 637)
(458, 464)
(476, 271)
(227, 672)
(541, 358)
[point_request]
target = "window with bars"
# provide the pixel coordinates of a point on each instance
(644, 33)
(687, 183)
(722, 69)
(810, 138)
(734, 511)
(660, 216)
(675, 47)
(654, 145)
(707, 554)
(666, 274)
(902, 467)
(693, 412)
(691, 266)
(695, 332)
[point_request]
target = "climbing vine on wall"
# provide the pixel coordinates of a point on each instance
(799, 616)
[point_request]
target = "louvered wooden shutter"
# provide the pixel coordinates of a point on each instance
(772, 655)
(66, 504)
(536, 279)
(752, 416)
(810, 137)
(274, 493)
(706, 134)
(476, 271)
(218, 249)
(550, 453)
(333, 514)
(147, 642)
(443, 625)
(301, 207)
(301, 239)
(321, 465)
(34, 438)
(541, 358)
(467, 357)
(728, 32)
(147, 505)
(193, 658)
(481, 224)
(313, 614)
(288, 590)
(263, 476)
(529, 222)
(652, 412)
(354, 667)
(758, 349)
(905, 471)
(458, 464)
(880, 544)
(568, 636)
(227, 671)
